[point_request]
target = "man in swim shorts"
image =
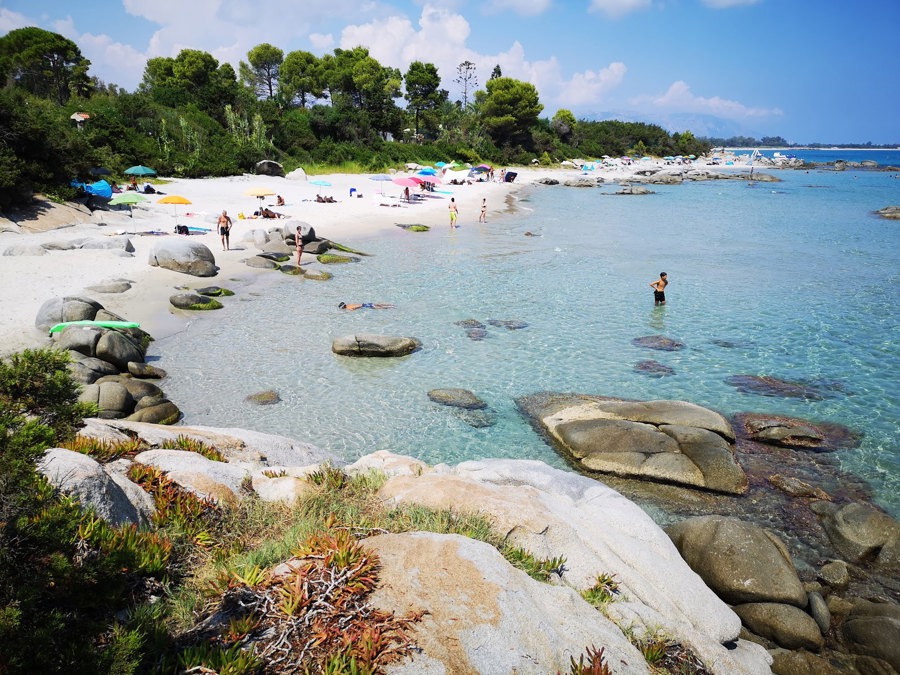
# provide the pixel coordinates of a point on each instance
(224, 225)
(659, 289)
(454, 212)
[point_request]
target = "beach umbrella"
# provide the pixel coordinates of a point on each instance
(129, 198)
(322, 183)
(407, 181)
(382, 178)
(260, 193)
(174, 200)
(440, 165)
(140, 170)
(434, 180)
(428, 171)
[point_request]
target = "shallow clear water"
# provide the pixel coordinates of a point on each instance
(798, 277)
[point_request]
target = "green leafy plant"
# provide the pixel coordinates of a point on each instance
(537, 568)
(603, 591)
(233, 660)
(190, 444)
(102, 450)
(664, 654)
(185, 512)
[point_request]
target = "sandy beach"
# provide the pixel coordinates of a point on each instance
(31, 279)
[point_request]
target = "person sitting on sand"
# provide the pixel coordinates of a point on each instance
(279, 200)
(364, 305)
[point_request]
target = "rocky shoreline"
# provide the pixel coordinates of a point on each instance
(800, 571)
(756, 506)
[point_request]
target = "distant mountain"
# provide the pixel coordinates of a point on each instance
(707, 126)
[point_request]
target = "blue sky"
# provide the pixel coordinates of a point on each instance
(807, 70)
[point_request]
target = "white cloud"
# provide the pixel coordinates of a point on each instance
(522, 7)
(321, 42)
(589, 87)
(616, 9)
(12, 20)
(679, 98)
(440, 38)
(725, 4)
(121, 63)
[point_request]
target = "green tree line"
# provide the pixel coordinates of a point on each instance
(192, 116)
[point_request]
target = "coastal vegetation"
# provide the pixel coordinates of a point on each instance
(199, 588)
(192, 116)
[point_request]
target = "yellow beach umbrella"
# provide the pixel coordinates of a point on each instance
(260, 193)
(174, 200)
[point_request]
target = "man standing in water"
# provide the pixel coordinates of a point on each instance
(225, 230)
(454, 212)
(659, 289)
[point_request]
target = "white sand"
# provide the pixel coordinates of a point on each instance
(29, 281)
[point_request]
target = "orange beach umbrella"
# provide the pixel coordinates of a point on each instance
(174, 200)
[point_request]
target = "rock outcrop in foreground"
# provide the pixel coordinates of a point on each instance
(725, 588)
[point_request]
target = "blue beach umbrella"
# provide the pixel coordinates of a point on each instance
(428, 171)
(381, 178)
(440, 164)
(320, 183)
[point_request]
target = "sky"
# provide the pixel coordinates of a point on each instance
(806, 70)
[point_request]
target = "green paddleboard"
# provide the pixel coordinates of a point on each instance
(94, 324)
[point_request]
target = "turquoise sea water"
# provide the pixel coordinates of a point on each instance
(797, 279)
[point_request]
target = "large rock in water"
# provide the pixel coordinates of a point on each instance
(741, 562)
(668, 441)
(551, 513)
(374, 345)
(861, 534)
(183, 255)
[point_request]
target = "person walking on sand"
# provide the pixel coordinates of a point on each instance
(454, 212)
(659, 289)
(482, 218)
(224, 225)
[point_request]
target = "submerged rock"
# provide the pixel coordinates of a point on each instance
(792, 432)
(658, 342)
(469, 323)
(766, 385)
(476, 334)
(457, 398)
(508, 324)
(269, 397)
(653, 368)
